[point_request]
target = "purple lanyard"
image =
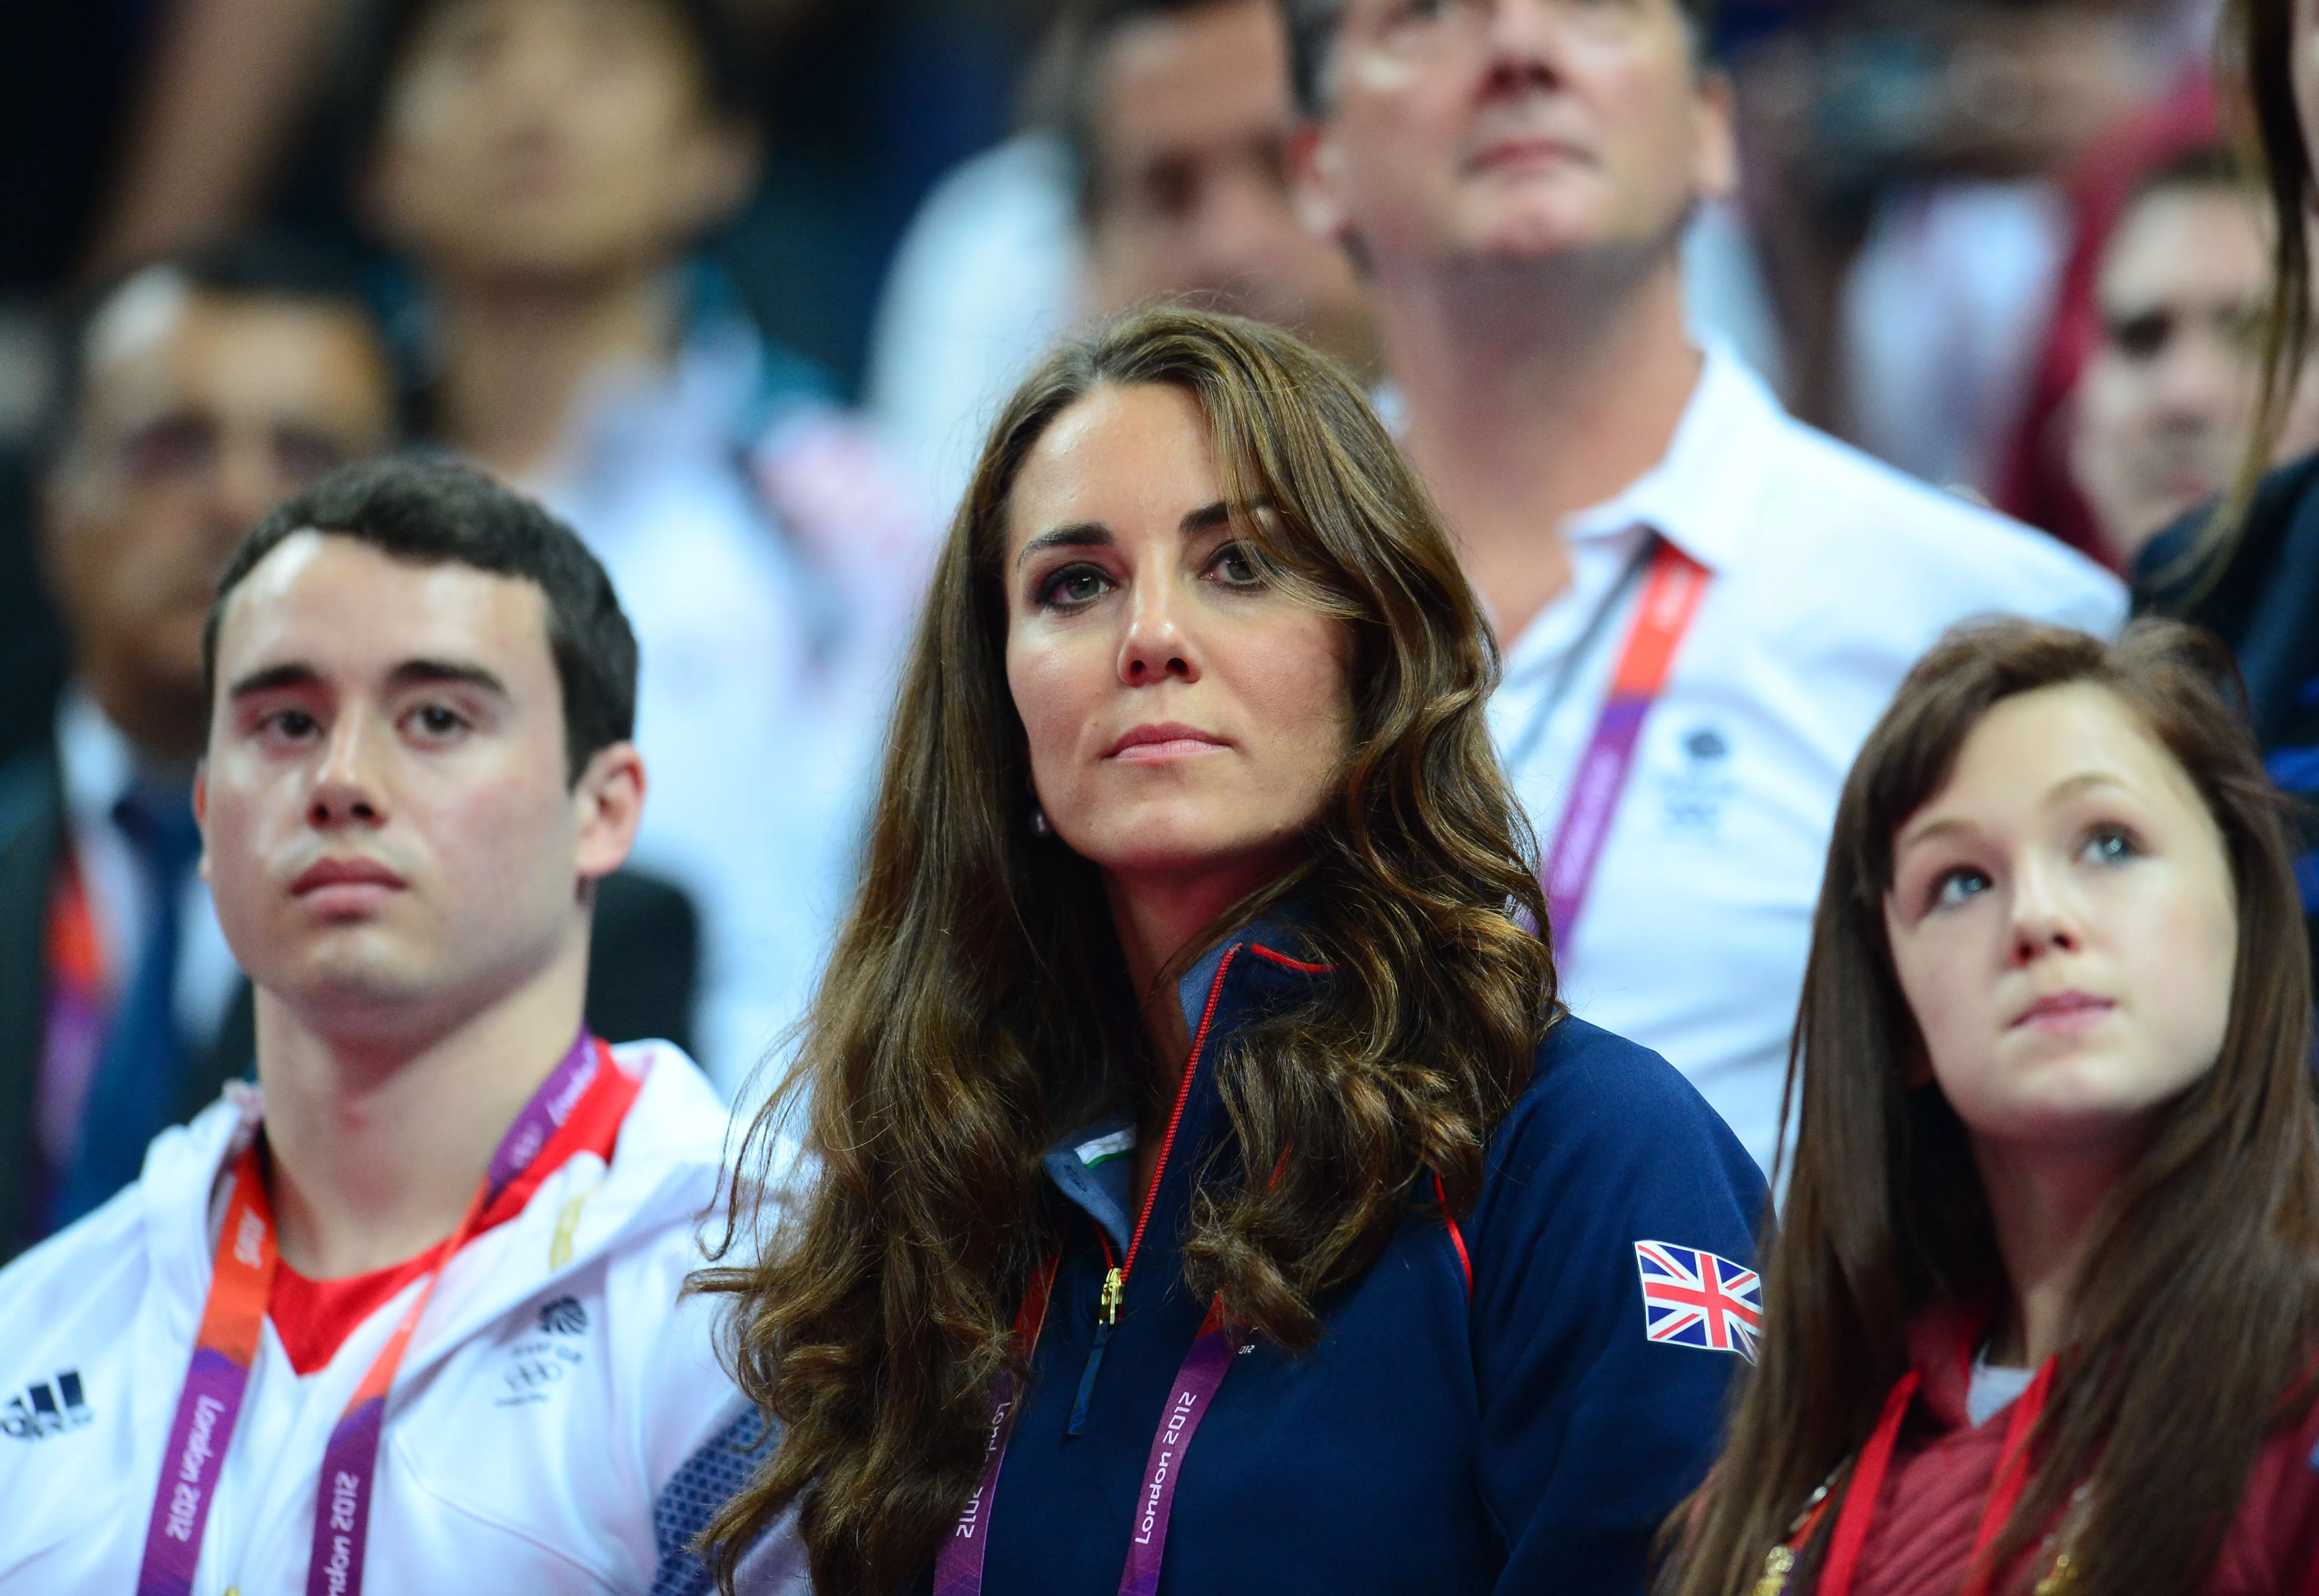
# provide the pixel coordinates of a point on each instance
(958, 1566)
(218, 1377)
(1670, 599)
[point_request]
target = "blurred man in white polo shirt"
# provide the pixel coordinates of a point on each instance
(1704, 603)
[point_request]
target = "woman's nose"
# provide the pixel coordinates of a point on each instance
(1156, 647)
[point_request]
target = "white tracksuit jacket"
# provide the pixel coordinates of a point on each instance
(559, 1423)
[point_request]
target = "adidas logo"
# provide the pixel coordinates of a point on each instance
(46, 1408)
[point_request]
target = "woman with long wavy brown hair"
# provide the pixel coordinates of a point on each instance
(2043, 1312)
(1192, 1022)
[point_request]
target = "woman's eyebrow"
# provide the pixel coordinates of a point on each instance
(1078, 535)
(2083, 782)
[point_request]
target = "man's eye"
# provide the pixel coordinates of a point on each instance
(1072, 586)
(289, 722)
(435, 721)
(302, 455)
(170, 449)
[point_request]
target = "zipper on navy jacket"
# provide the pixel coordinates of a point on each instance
(1114, 1280)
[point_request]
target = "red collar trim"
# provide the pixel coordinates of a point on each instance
(315, 1317)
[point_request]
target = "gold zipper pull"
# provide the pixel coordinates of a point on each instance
(1114, 1292)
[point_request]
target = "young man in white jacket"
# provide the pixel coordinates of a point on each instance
(408, 1316)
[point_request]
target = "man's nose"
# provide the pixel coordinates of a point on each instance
(245, 484)
(347, 790)
(1521, 36)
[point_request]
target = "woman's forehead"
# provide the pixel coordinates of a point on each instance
(1136, 454)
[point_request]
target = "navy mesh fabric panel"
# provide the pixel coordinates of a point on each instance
(694, 1494)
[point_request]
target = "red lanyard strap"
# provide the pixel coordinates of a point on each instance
(2012, 1477)
(1670, 600)
(241, 1284)
(1867, 1484)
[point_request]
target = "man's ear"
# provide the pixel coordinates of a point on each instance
(1715, 157)
(202, 811)
(1316, 167)
(609, 802)
(720, 169)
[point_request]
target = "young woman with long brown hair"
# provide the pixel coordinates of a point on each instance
(2043, 1312)
(1206, 1191)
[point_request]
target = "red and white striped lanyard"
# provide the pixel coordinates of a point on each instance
(241, 1285)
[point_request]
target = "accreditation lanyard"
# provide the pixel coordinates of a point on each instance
(1671, 595)
(241, 1284)
(1867, 1484)
(958, 1566)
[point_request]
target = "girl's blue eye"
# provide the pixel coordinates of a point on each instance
(2111, 844)
(1958, 885)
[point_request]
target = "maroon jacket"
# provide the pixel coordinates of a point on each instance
(1930, 1508)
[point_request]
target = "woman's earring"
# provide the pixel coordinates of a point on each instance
(1038, 826)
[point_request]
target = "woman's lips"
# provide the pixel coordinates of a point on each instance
(2065, 1013)
(1168, 740)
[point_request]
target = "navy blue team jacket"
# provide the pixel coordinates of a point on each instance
(1528, 1436)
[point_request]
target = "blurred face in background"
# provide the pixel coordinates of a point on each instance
(2165, 402)
(1189, 195)
(550, 139)
(198, 413)
(1511, 130)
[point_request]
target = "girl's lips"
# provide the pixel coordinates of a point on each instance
(2065, 1012)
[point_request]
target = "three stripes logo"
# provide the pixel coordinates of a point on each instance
(46, 1408)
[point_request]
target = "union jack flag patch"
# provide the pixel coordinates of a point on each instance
(1692, 1298)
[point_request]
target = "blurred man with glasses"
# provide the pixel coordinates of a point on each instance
(196, 392)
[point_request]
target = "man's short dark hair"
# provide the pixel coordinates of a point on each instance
(433, 513)
(260, 267)
(1313, 27)
(375, 58)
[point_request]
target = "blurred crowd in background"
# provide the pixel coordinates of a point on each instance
(734, 285)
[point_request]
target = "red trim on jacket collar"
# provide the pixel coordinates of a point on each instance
(1285, 962)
